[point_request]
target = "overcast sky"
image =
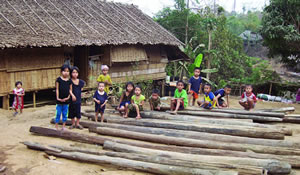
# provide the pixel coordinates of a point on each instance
(151, 7)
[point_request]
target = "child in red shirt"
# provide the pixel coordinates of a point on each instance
(248, 99)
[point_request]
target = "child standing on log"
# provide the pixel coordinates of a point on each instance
(125, 99)
(220, 94)
(154, 100)
(63, 86)
(19, 93)
(195, 86)
(75, 105)
(248, 99)
(104, 77)
(137, 102)
(209, 98)
(100, 98)
(180, 100)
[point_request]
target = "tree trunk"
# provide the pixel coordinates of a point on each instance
(209, 55)
(201, 136)
(272, 166)
(196, 143)
(223, 115)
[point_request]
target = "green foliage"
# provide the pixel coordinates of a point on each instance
(281, 30)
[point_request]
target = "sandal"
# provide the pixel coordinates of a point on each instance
(79, 127)
(72, 127)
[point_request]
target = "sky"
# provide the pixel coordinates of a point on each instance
(151, 7)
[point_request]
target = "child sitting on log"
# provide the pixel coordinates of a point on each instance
(195, 86)
(100, 97)
(63, 86)
(248, 99)
(125, 99)
(104, 77)
(137, 102)
(209, 98)
(154, 100)
(220, 94)
(19, 93)
(180, 100)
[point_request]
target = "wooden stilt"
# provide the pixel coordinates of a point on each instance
(34, 99)
(163, 88)
(270, 90)
(5, 102)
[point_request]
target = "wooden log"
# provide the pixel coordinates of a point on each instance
(246, 170)
(40, 147)
(285, 110)
(291, 119)
(196, 143)
(243, 112)
(217, 129)
(272, 166)
(226, 115)
(166, 116)
(138, 165)
(201, 136)
(77, 149)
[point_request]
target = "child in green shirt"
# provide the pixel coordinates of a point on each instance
(180, 100)
(137, 102)
(104, 77)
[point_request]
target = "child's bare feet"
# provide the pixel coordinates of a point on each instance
(173, 112)
(63, 128)
(138, 117)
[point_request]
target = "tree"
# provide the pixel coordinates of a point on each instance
(281, 30)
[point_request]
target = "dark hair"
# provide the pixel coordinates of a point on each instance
(228, 86)
(207, 84)
(74, 68)
(18, 82)
(180, 81)
(129, 83)
(63, 67)
(101, 82)
(197, 68)
(155, 91)
(138, 87)
(248, 85)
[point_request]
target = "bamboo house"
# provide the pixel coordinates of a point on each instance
(38, 36)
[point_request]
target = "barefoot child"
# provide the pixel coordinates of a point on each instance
(195, 86)
(104, 77)
(19, 93)
(137, 102)
(125, 99)
(248, 99)
(75, 105)
(220, 94)
(209, 98)
(63, 86)
(154, 100)
(180, 100)
(100, 98)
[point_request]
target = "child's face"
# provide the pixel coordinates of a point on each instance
(65, 73)
(196, 72)
(248, 89)
(19, 85)
(207, 89)
(105, 71)
(227, 90)
(101, 87)
(74, 74)
(180, 86)
(137, 91)
(129, 88)
(154, 96)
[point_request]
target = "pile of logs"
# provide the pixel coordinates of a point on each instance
(219, 142)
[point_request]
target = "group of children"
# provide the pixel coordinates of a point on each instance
(69, 88)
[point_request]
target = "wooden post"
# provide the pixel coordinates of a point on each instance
(163, 88)
(34, 99)
(5, 102)
(270, 90)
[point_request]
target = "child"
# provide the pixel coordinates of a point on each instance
(154, 100)
(180, 100)
(209, 98)
(137, 102)
(63, 86)
(125, 99)
(248, 99)
(222, 93)
(195, 86)
(19, 93)
(100, 98)
(75, 105)
(104, 77)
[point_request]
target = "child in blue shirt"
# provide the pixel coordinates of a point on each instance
(195, 86)
(220, 94)
(100, 97)
(209, 98)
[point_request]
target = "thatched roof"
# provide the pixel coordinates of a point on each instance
(55, 23)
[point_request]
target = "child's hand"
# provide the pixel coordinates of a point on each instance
(189, 91)
(98, 101)
(74, 98)
(102, 105)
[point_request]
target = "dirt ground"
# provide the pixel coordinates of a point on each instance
(19, 160)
